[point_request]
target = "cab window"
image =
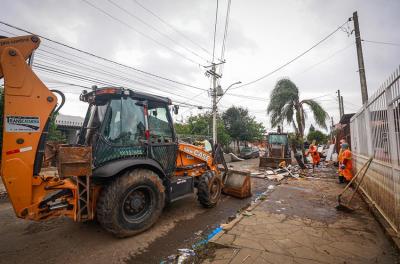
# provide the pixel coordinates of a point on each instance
(159, 124)
(124, 123)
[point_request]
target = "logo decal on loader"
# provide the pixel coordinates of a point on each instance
(197, 153)
(22, 124)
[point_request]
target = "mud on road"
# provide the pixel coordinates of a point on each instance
(63, 241)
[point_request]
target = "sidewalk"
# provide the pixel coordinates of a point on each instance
(298, 223)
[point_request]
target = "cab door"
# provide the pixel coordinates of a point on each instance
(163, 146)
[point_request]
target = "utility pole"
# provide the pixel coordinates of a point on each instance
(214, 107)
(361, 68)
(340, 104)
(214, 75)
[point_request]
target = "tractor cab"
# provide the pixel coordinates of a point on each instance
(121, 123)
(277, 150)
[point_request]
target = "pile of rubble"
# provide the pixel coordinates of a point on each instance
(279, 174)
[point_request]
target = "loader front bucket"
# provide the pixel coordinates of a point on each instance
(237, 184)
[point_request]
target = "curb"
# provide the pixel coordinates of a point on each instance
(227, 227)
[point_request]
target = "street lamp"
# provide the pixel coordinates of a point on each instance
(238, 82)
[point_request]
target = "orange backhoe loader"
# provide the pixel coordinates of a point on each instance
(126, 165)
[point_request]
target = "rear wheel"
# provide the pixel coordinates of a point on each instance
(132, 203)
(209, 190)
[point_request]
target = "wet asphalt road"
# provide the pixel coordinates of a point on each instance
(183, 234)
(63, 241)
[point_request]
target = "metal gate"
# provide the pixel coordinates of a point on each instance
(375, 131)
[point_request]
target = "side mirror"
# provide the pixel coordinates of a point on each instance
(176, 109)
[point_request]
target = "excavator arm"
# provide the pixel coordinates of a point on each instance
(28, 106)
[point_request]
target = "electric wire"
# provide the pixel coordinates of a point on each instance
(139, 32)
(215, 31)
(106, 82)
(156, 30)
(292, 60)
(102, 58)
(171, 27)
(92, 68)
(326, 59)
(72, 66)
(80, 63)
(381, 42)
(56, 71)
(222, 56)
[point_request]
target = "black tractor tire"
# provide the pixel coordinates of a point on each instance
(209, 190)
(131, 203)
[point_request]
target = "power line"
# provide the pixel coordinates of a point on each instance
(248, 97)
(82, 76)
(222, 57)
(191, 108)
(138, 31)
(381, 42)
(155, 29)
(170, 26)
(104, 59)
(215, 30)
(294, 59)
(326, 59)
(78, 77)
(228, 9)
(93, 68)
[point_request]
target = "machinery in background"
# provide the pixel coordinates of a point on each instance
(277, 150)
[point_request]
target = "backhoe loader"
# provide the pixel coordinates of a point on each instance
(126, 165)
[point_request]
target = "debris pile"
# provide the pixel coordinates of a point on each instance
(278, 174)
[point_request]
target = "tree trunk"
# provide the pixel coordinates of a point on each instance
(300, 126)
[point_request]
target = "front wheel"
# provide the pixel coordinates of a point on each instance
(131, 203)
(209, 189)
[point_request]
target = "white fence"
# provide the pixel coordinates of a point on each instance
(375, 131)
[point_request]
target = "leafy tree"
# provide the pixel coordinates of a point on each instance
(295, 142)
(222, 135)
(312, 129)
(318, 136)
(241, 126)
(202, 125)
(255, 130)
(182, 128)
(286, 106)
(55, 134)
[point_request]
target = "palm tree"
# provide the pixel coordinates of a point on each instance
(285, 106)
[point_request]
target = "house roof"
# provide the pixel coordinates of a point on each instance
(69, 121)
(345, 119)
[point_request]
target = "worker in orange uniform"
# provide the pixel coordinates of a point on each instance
(342, 141)
(313, 150)
(346, 165)
(340, 160)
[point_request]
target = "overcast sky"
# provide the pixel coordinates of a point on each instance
(262, 36)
